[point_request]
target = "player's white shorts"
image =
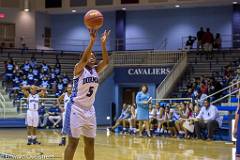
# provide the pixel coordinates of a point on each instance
(32, 118)
(79, 121)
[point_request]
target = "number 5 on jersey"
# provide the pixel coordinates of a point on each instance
(90, 91)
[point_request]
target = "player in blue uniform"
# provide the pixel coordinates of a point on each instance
(143, 100)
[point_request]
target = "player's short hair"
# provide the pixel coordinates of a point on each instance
(144, 85)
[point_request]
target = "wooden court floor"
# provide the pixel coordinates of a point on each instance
(114, 147)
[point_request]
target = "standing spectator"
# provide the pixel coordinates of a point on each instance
(190, 42)
(208, 41)
(143, 100)
(200, 34)
(208, 118)
(218, 41)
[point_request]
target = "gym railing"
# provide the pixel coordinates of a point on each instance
(2, 103)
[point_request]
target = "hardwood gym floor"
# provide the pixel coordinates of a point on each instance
(114, 147)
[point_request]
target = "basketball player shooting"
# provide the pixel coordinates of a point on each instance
(80, 119)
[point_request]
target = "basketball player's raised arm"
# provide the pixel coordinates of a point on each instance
(105, 58)
(43, 92)
(25, 91)
(78, 69)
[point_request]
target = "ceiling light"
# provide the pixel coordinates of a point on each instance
(124, 9)
(177, 5)
(235, 2)
(74, 11)
(26, 10)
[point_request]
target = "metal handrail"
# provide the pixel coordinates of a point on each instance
(4, 110)
(172, 99)
(219, 91)
(165, 86)
(2, 102)
(21, 100)
(229, 94)
(2, 97)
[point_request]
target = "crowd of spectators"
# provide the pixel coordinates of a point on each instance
(32, 72)
(177, 119)
(200, 87)
(206, 41)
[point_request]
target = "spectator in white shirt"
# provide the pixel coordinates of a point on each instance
(207, 119)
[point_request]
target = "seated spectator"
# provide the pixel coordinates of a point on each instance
(35, 72)
(188, 125)
(201, 98)
(25, 67)
(43, 116)
(152, 117)
(208, 40)
(160, 118)
(218, 41)
(24, 82)
(190, 42)
(57, 68)
(55, 117)
(132, 119)
(65, 79)
(45, 67)
(30, 77)
(126, 113)
(59, 87)
(184, 113)
(45, 83)
(200, 34)
(169, 123)
(207, 119)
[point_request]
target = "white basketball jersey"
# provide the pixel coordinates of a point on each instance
(66, 100)
(33, 102)
(85, 88)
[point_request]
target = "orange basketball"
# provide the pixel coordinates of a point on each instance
(93, 19)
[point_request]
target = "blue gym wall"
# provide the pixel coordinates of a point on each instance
(147, 28)
(104, 98)
(69, 32)
(174, 24)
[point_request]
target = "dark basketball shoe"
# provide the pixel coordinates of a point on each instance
(63, 141)
(34, 141)
(29, 141)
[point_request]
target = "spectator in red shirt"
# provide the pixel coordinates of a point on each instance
(208, 41)
(203, 88)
